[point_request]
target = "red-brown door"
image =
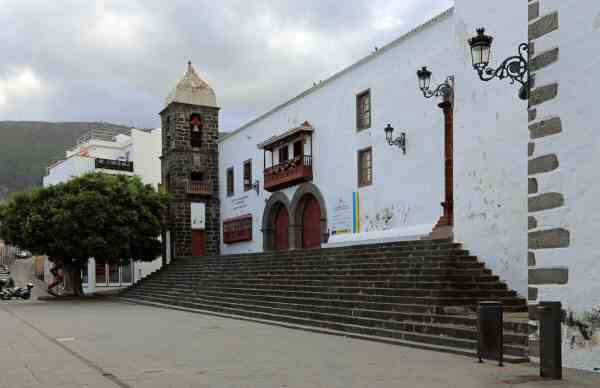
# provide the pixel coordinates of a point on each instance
(311, 224)
(198, 242)
(282, 221)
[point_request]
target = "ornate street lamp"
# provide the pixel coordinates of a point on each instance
(400, 141)
(442, 90)
(516, 68)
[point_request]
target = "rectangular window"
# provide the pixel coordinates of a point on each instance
(365, 167)
(248, 175)
(230, 190)
(363, 110)
(283, 154)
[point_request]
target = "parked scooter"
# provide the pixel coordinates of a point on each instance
(17, 292)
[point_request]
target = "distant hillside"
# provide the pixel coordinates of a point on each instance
(26, 147)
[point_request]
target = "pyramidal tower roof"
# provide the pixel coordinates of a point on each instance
(191, 89)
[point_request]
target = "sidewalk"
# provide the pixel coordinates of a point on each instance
(99, 343)
(30, 359)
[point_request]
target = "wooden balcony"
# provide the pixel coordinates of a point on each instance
(289, 173)
(199, 188)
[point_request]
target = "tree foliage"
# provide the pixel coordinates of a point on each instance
(108, 217)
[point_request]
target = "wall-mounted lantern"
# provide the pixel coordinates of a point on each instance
(516, 68)
(400, 141)
(442, 90)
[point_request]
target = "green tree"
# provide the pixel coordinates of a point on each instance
(108, 217)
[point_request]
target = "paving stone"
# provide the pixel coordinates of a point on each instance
(545, 128)
(534, 10)
(543, 26)
(546, 201)
(554, 275)
(544, 59)
(542, 164)
(532, 185)
(532, 293)
(532, 222)
(542, 94)
(551, 238)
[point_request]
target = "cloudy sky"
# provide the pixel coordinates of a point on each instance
(115, 60)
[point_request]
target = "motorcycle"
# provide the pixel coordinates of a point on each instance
(17, 292)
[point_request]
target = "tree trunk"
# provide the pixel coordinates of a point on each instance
(73, 283)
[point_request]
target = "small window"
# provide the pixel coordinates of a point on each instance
(363, 110)
(365, 167)
(230, 190)
(197, 176)
(298, 148)
(248, 175)
(283, 154)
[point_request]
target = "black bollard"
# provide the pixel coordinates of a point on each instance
(550, 340)
(490, 340)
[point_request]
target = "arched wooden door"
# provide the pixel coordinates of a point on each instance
(311, 223)
(282, 222)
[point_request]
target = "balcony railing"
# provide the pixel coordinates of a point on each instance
(111, 164)
(289, 173)
(199, 188)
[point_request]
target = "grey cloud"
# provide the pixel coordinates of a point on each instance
(116, 60)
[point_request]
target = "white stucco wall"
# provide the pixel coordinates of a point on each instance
(411, 183)
(490, 144)
(577, 148)
(146, 149)
(69, 168)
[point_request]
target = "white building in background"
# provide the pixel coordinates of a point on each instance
(135, 153)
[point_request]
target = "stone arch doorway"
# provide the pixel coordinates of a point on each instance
(275, 223)
(309, 217)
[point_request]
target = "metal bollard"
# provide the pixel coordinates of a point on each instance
(550, 340)
(490, 339)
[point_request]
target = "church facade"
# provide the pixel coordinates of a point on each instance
(320, 170)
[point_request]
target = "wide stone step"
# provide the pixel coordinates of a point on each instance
(398, 312)
(247, 310)
(489, 293)
(356, 265)
(358, 276)
(359, 249)
(343, 282)
(417, 254)
(373, 302)
(339, 315)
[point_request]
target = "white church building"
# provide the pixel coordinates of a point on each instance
(515, 181)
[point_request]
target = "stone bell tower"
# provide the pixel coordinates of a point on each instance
(190, 167)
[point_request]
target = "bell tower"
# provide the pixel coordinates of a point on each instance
(190, 167)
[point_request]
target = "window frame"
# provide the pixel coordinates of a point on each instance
(360, 166)
(247, 186)
(230, 187)
(359, 98)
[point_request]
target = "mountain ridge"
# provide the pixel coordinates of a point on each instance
(27, 147)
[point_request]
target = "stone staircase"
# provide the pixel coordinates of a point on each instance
(413, 293)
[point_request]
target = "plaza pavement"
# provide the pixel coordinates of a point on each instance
(104, 343)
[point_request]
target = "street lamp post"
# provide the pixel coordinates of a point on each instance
(400, 141)
(515, 68)
(444, 90)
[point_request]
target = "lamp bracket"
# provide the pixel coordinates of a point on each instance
(445, 89)
(515, 68)
(400, 142)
